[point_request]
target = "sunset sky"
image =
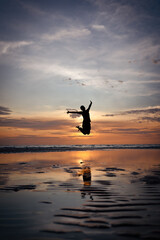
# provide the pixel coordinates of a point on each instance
(60, 54)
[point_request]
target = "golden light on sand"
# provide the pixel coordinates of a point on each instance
(82, 156)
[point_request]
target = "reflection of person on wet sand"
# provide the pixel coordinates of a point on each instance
(86, 172)
(86, 125)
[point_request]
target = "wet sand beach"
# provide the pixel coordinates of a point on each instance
(111, 194)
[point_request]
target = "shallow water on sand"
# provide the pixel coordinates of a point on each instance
(80, 195)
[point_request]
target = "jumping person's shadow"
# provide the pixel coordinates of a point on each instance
(86, 125)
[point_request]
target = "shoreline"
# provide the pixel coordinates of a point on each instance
(65, 148)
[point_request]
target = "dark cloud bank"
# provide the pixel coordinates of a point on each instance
(154, 110)
(5, 111)
(33, 123)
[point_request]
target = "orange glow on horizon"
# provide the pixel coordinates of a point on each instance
(49, 131)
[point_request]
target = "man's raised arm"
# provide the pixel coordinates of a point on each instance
(89, 105)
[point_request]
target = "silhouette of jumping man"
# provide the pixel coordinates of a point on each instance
(86, 125)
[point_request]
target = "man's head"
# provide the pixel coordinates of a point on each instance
(82, 108)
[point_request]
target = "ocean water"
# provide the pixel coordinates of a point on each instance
(62, 148)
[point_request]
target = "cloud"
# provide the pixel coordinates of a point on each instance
(70, 33)
(36, 124)
(5, 111)
(84, 76)
(86, 66)
(140, 51)
(151, 119)
(3, 180)
(150, 110)
(77, 75)
(109, 115)
(129, 131)
(141, 111)
(120, 81)
(112, 34)
(156, 61)
(33, 9)
(98, 27)
(74, 81)
(124, 127)
(5, 47)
